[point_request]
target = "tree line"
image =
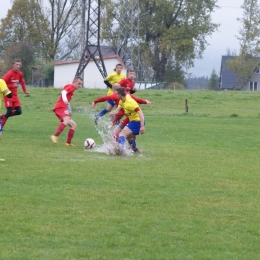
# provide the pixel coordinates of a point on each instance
(172, 34)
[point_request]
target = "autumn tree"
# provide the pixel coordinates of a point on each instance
(249, 38)
(52, 26)
(169, 30)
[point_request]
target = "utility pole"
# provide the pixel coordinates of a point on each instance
(83, 31)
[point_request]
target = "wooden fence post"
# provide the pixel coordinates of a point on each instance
(186, 106)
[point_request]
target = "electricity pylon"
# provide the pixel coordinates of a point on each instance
(91, 49)
(128, 43)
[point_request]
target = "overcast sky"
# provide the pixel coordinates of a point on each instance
(220, 41)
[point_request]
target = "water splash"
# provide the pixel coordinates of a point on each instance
(106, 132)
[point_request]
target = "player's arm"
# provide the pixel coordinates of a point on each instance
(133, 89)
(101, 99)
(118, 116)
(108, 83)
(139, 100)
(4, 89)
(107, 80)
(22, 82)
(141, 115)
(64, 97)
(116, 111)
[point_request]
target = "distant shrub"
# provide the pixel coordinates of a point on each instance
(175, 86)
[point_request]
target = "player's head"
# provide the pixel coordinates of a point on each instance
(77, 82)
(17, 64)
(118, 68)
(131, 74)
(115, 87)
(121, 92)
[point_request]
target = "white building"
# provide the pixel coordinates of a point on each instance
(64, 71)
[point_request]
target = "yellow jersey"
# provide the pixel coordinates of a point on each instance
(113, 78)
(130, 106)
(3, 90)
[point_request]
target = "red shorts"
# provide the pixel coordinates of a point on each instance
(12, 102)
(61, 113)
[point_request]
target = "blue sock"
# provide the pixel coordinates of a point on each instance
(121, 141)
(133, 144)
(102, 112)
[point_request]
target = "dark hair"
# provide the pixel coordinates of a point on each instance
(121, 91)
(118, 65)
(16, 60)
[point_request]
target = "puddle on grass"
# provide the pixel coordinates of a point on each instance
(105, 131)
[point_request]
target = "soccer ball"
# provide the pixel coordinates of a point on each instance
(89, 143)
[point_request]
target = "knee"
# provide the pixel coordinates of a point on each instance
(18, 111)
(73, 125)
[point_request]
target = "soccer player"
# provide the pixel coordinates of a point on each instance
(111, 79)
(4, 90)
(63, 111)
(135, 115)
(129, 83)
(12, 78)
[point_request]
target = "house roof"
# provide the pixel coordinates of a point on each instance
(228, 77)
(107, 52)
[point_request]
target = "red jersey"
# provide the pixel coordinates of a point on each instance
(70, 92)
(12, 79)
(127, 83)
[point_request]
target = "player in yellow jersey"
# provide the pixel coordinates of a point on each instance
(111, 79)
(135, 115)
(4, 90)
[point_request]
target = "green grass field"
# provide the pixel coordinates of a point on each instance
(192, 194)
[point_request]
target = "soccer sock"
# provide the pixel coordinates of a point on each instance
(116, 135)
(59, 129)
(133, 144)
(4, 119)
(70, 135)
(121, 141)
(102, 112)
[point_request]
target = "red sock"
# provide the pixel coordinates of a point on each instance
(116, 136)
(59, 129)
(4, 119)
(70, 135)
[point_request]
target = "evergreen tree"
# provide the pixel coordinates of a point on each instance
(213, 83)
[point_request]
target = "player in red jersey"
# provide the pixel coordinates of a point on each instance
(63, 111)
(12, 78)
(129, 83)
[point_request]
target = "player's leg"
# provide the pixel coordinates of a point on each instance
(133, 145)
(71, 132)
(123, 136)
(9, 112)
(17, 111)
(110, 104)
(119, 128)
(134, 126)
(62, 115)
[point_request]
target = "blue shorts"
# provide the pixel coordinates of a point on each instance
(134, 126)
(111, 102)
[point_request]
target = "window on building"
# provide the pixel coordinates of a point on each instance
(253, 86)
(257, 71)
